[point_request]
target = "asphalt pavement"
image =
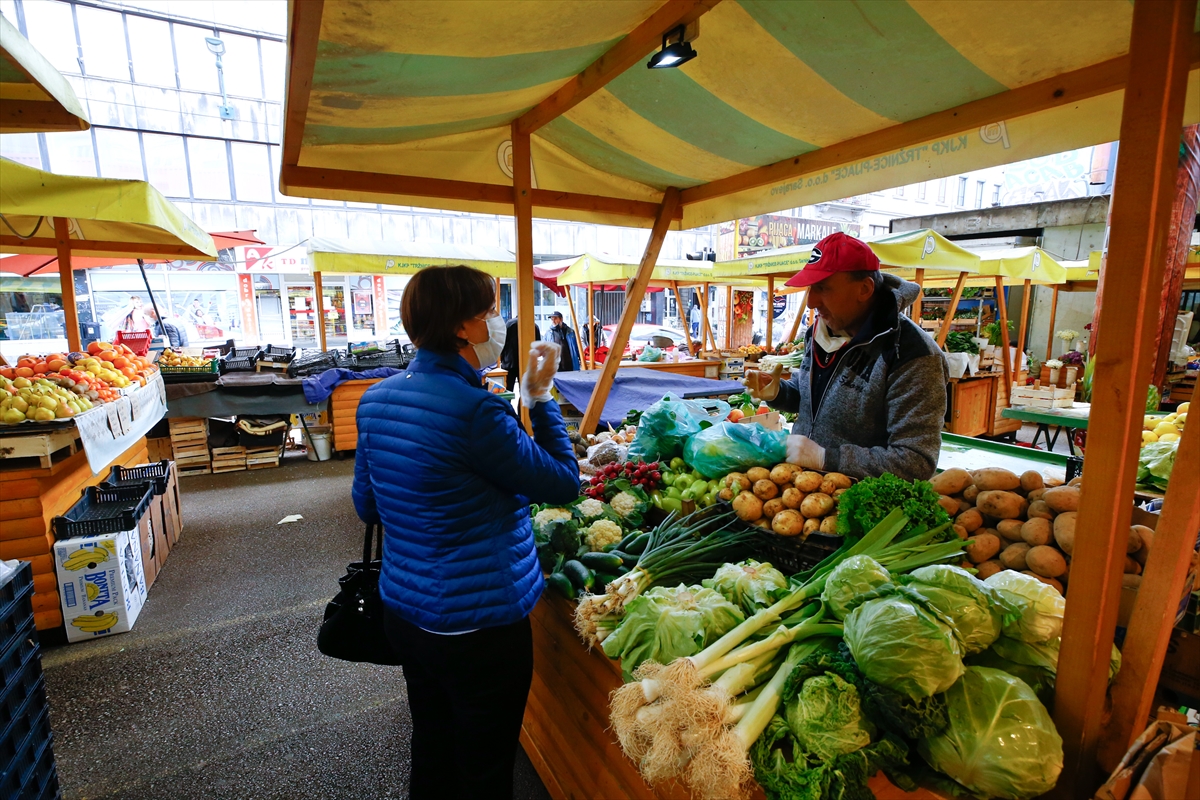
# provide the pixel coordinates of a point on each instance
(219, 690)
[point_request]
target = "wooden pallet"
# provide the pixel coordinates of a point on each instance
(228, 459)
(22, 448)
(263, 457)
(186, 471)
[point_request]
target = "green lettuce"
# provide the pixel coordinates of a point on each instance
(975, 609)
(855, 576)
(842, 778)
(1155, 462)
(1000, 741)
(1038, 606)
(866, 503)
(748, 584)
(666, 623)
(826, 718)
(1044, 655)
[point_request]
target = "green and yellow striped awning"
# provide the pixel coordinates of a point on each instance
(34, 96)
(357, 257)
(789, 102)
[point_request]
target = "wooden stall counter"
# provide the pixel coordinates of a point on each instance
(30, 498)
(343, 411)
(566, 734)
(696, 367)
(976, 406)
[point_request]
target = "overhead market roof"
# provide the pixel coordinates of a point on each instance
(105, 216)
(34, 96)
(1013, 267)
(359, 257)
(588, 268)
(789, 102)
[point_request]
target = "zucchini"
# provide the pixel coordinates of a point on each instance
(607, 562)
(623, 545)
(627, 561)
(579, 575)
(638, 545)
(562, 584)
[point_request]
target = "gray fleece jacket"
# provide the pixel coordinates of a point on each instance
(886, 401)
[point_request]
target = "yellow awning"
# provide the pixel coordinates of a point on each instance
(764, 118)
(588, 268)
(106, 216)
(406, 258)
(781, 263)
(34, 96)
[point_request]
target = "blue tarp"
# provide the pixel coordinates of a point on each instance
(319, 387)
(636, 388)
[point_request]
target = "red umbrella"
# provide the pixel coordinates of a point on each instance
(26, 265)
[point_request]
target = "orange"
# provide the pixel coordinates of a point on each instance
(41, 368)
(26, 361)
(24, 372)
(7, 372)
(56, 365)
(107, 355)
(120, 362)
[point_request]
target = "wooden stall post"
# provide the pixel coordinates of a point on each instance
(633, 300)
(687, 333)
(770, 313)
(1021, 329)
(497, 294)
(706, 332)
(591, 301)
(944, 330)
(1005, 353)
(574, 321)
(523, 219)
(1157, 601)
(799, 318)
(729, 317)
(1050, 333)
(919, 279)
(1151, 119)
(319, 309)
(66, 280)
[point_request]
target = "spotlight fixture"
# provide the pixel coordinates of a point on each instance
(215, 46)
(678, 52)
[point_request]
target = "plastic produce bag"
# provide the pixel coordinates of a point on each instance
(650, 353)
(666, 425)
(1000, 742)
(728, 447)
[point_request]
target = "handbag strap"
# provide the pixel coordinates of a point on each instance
(377, 530)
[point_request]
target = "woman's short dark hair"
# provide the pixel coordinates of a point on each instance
(438, 300)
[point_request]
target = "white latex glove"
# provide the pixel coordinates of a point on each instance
(539, 374)
(763, 385)
(804, 452)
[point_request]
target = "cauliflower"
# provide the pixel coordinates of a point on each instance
(602, 533)
(625, 504)
(591, 508)
(548, 515)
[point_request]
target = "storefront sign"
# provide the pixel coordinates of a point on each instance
(291, 259)
(381, 320)
(779, 305)
(750, 235)
(246, 306)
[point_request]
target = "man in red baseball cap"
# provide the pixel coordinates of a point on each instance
(870, 394)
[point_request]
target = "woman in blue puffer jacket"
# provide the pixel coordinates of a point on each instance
(448, 470)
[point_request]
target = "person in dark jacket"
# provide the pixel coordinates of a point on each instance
(448, 470)
(508, 356)
(870, 394)
(562, 335)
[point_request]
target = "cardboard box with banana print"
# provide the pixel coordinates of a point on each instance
(101, 583)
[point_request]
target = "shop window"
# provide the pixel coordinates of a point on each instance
(962, 191)
(150, 47)
(166, 164)
(979, 194)
(209, 167)
(362, 305)
(942, 191)
(274, 58)
(251, 172)
(22, 148)
(302, 314)
(52, 31)
(242, 75)
(102, 40)
(197, 66)
(71, 153)
(31, 309)
(120, 154)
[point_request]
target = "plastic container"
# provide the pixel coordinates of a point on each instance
(314, 362)
(138, 341)
(157, 473)
(240, 359)
(209, 372)
(105, 509)
(319, 440)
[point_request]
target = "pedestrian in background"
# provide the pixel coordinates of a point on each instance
(562, 335)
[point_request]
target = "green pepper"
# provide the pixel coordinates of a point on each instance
(699, 487)
(672, 504)
(677, 464)
(656, 497)
(672, 494)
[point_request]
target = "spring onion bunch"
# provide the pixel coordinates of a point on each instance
(680, 550)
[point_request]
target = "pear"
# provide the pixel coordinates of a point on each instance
(12, 416)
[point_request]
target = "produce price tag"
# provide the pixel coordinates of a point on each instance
(124, 414)
(93, 426)
(114, 419)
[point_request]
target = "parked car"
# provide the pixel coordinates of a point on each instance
(642, 335)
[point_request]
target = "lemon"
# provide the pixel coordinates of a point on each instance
(1148, 437)
(1182, 418)
(1169, 437)
(1164, 427)
(1170, 417)
(1183, 408)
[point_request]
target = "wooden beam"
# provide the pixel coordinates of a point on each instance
(1061, 90)
(575, 323)
(1021, 328)
(944, 329)
(523, 218)
(1005, 353)
(304, 32)
(687, 333)
(706, 331)
(1050, 332)
(770, 314)
(915, 313)
(96, 247)
(591, 417)
(319, 309)
(729, 317)
(591, 301)
(31, 116)
(1157, 601)
(66, 280)
(627, 52)
(1151, 120)
(799, 318)
(619, 206)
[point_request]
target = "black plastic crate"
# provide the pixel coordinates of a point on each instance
(276, 354)
(21, 653)
(191, 374)
(157, 473)
(383, 358)
(105, 509)
(18, 587)
(240, 359)
(27, 690)
(793, 554)
(30, 759)
(315, 362)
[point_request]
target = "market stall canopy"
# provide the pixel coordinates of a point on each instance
(1013, 266)
(1084, 275)
(34, 96)
(781, 263)
(609, 271)
(359, 257)
(105, 217)
(37, 264)
(415, 102)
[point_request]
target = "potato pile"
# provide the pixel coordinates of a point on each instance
(1016, 522)
(786, 499)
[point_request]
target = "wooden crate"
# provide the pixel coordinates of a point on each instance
(185, 472)
(228, 459)
(28, 447)
(343, 412)
(263, 457)
(192, 456)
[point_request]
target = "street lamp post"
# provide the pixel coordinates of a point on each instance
(217, 48)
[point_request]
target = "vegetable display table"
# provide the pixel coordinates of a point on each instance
(972, 454)
(1060, 418)
(239, 394)
(565, 731)
(637, 388)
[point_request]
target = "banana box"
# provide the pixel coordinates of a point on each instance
(101, 582)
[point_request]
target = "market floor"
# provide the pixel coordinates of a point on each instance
(219, 691)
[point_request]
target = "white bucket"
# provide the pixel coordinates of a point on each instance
(320, 446)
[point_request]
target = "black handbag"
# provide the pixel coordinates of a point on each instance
(353, 625)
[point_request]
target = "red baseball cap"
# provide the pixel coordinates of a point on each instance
(837, 252)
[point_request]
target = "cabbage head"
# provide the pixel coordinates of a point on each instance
(748, 584)
(898, 641)
(666, 623)
(1000, 742)
(855, 576)
(826, 718)
(974, 608)
(1044, 655)
(1039, 605)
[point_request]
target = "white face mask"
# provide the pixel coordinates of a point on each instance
(827, 339)
(488, 351)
